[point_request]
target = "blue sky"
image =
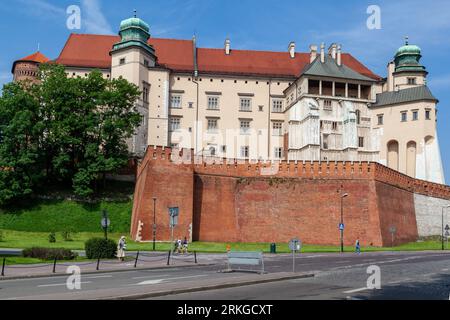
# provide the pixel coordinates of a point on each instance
(251, 24)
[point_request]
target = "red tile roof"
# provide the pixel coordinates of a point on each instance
(35, 57)
(82, 50)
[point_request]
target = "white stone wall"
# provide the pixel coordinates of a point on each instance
(429, 215)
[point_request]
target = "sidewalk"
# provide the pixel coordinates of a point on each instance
(145, 261)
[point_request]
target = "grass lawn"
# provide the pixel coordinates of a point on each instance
(63, 215)
(21, 239)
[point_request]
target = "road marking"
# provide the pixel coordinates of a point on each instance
(356, 290)
(60, 284)
(98, 277)
(146, 277)
(155, 281)
(444, 269)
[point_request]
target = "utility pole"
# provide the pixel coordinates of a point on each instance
(341, 226)
(154, 223)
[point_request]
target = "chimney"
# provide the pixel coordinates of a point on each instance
(339, 55)
(332, 51)
(322, 52)
(227, 46)
(313, 53)
(291, 49)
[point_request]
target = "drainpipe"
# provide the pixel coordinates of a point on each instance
(195, 76)
(269, 126)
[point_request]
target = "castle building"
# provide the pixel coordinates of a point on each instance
(323, 105)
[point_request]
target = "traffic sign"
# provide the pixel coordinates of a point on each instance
(105, 223)
(174, 212)
(341, 226)
(295, 244)
(392, 229)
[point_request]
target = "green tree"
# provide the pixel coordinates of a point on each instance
(65, 130)
(20, 130)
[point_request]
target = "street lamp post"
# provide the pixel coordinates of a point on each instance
(154, 223)
(442, 238)
(342, 221)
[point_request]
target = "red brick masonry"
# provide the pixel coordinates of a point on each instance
(230, 201)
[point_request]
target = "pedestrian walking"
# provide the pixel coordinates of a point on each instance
(357, 247)
(185, 245)
(121, 247)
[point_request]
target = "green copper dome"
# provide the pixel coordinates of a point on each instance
(408, 58)
(134, 32)
(134, 23)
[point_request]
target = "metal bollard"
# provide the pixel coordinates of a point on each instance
(137, 257)
(98, 263)
(54, 266)
(3, 267)
(168, 259)
(195, 256)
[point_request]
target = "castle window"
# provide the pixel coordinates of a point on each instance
(212, 125)
(145, 93)
(404, 116)
(358, 117)
(412, 81)
(277, 105)
(327, 105)
(175, 102)
(277, 128)
(245, 152)
(224, 149)
(122, 61)
(361, 142)
(428, 114)
(334, 126)
(175, 124)
(261, 108)
(191, 105)
(415, 115)
(278, 154)
(246, 104)
(325, 142)
(213, 103)
(245, 126)
(146, 64)
(380, 118)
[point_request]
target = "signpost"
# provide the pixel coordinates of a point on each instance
(174, 212)
(447, 233)
(294, 245)
(392, 230)
(105, 222)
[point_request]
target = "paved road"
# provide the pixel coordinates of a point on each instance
(423, 275)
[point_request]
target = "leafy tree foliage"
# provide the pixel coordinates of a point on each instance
(65, 130)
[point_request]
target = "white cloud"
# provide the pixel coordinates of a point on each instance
(93, 19)
(42, 8)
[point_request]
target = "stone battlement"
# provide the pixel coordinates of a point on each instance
(239, 168)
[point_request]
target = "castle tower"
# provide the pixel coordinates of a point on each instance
(407, 71)
(131, 59)
(27, 68)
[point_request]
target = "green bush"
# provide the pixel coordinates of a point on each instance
(49, 253)
(52, 237)
(100, 248)
(1, 236)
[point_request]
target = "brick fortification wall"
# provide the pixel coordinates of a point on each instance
(274, 202)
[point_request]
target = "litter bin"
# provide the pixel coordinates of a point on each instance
(273, 248)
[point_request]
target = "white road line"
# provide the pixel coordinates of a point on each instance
(444, 269)
(155, 281)
(98, 277)
(356, 290)
(147, 277)
(60, 284)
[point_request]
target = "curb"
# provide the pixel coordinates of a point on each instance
(51, 275)
(206, 288)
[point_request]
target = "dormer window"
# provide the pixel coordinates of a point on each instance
(412, 81)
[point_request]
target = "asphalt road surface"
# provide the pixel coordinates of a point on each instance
(408, 275)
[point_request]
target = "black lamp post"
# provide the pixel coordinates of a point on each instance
(342, 221)
(154, 223)
(442, 238)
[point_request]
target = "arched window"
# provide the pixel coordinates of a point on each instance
(411, 154)
(392, 154)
